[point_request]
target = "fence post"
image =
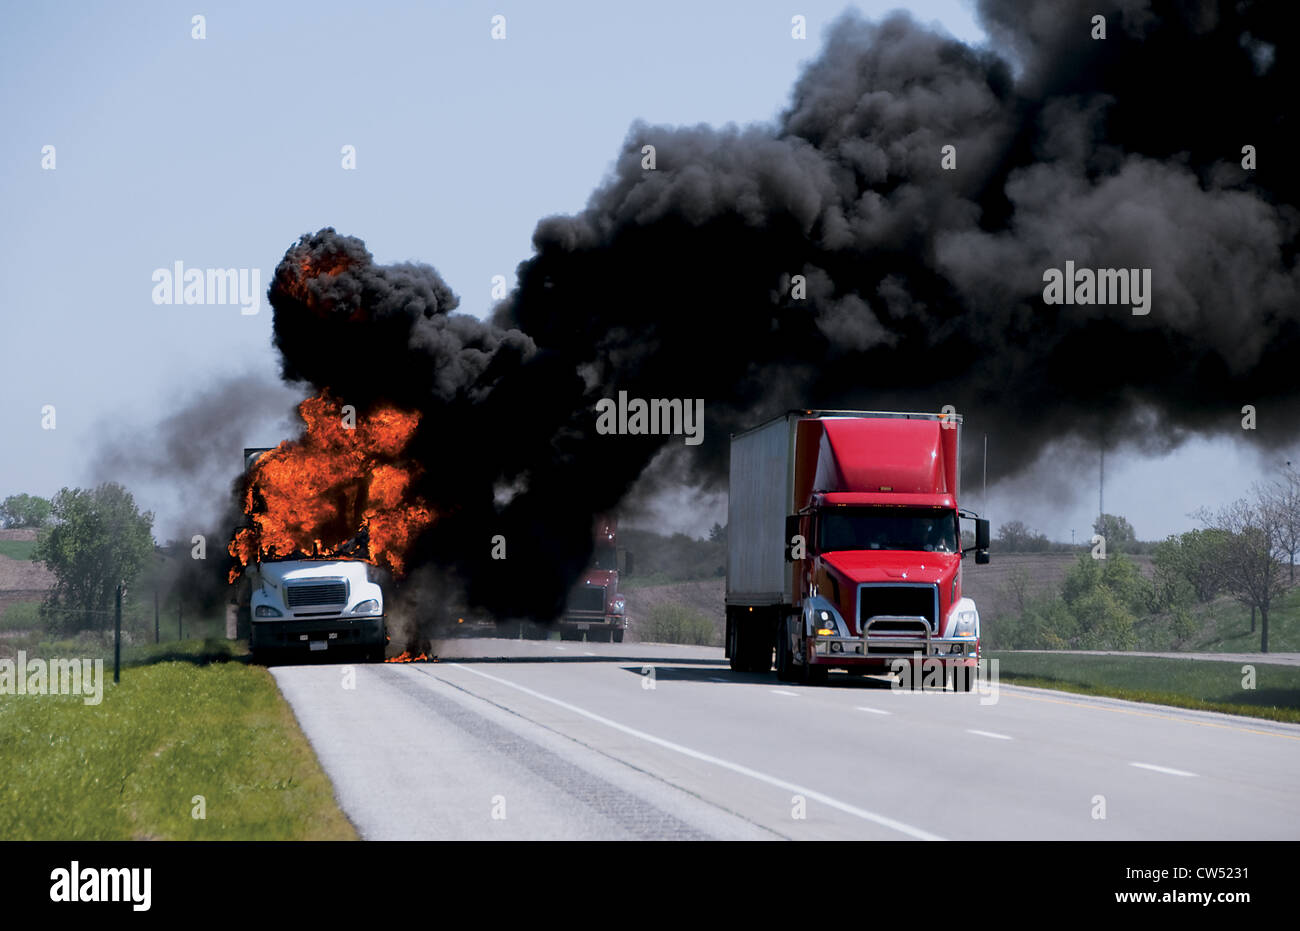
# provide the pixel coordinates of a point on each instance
(117, 638)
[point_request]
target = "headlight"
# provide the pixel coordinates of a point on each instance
(967, 624)
(620, 605)
(266, 611)
(369, 606)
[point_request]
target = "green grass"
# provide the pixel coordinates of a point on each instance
(21, 615)
(192, 718)
(1183, 683)
(1226, 627)
(17, 549)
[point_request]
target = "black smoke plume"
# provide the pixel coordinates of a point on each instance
(924, 285)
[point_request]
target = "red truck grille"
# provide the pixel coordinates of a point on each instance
(897, 600)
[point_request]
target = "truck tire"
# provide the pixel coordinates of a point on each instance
(618, 636)
(785, 668)
(746, 645)
(813, 675)
(735, 643)
(758, 646)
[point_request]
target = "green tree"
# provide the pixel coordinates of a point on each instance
(1015, 537)
(1118, 573)
(1195, 559)
(1105, 621)
(98, 538)
(1117, 531)
(1104, 596)
(1252, 555)
(24, 511)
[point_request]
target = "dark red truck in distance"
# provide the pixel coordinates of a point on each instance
(844, 547)
(595, 607)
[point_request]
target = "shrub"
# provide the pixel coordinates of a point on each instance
(677, 623)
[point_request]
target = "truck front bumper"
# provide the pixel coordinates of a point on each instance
(317, 634)
(884, 651)
(578, 621)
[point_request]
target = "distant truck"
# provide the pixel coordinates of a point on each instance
(844, 546)
(595, 607)
(306, 604)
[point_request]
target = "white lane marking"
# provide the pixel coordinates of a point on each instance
(1162, 769)
(561, 648)
(816, 796)
(784, 692)
(873, 710)
(988, 734)
(716, 679)
(588, 654)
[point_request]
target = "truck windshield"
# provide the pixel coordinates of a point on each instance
(930, 530)
(604, 557)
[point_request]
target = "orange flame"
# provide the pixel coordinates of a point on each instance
(314, 494)
(406, 657)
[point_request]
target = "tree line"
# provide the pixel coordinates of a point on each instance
(1245, 550)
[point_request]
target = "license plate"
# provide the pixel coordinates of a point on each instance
(583, 626)
(319, 645)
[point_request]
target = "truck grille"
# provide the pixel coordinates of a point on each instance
(588, 598)
(326, 592)
(898, 601)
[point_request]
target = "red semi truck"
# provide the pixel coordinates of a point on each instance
(844, 546)
(595, 607)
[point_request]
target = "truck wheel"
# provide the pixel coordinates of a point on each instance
(618, 636)
(813, 675)
(785, 670)
(736, 645)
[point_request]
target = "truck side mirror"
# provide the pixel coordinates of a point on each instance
(791, 528)
(981, 542)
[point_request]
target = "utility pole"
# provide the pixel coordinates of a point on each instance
(180, 627)
(157, 633)
(1101, 486)
(117, 637)
(985, 502)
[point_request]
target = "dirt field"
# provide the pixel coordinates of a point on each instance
(22, 579)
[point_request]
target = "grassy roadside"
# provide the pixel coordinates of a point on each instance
(1184, 683)
(192, 718)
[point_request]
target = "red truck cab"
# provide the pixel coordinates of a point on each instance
(871, 541)
(596, 610)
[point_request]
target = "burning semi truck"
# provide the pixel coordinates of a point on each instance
(304, 602)
(845, 547)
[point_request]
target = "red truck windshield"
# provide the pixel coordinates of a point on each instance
(930, 530)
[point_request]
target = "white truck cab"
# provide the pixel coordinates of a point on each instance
(313, 605)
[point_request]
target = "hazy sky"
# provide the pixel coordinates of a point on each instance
(219, 152)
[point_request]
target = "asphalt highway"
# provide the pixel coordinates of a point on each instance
(533, 740)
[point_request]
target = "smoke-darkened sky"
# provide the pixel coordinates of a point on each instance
(924, 285)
